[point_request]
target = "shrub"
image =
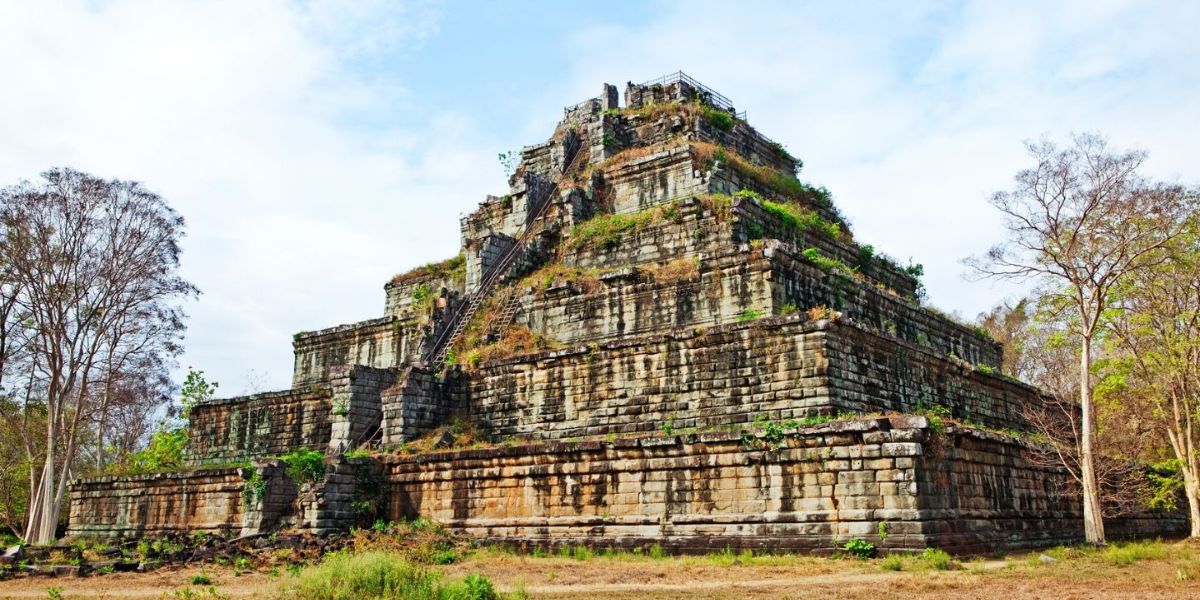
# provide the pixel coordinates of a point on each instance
(370, 575)
(860, 548)
(802, 219)
(201, 579)
(937, 559)
(750, 315)
(305, 466)
(164, 453)
(893, 562)
(254, 490)
(718, 118)
(381, 576)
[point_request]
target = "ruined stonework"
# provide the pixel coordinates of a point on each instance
(657, 335)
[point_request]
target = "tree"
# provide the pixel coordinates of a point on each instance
(1039, 349)
(92, 265)
(1157, 336)
(1009, 325)
(1080, 221)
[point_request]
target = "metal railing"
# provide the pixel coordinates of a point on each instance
(713, 97)
(437, 354)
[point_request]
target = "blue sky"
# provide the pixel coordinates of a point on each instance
(316, 148)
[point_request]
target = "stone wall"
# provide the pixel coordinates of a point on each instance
(870, 371)
(778, 368)
(810, 489)
(269, 424)
(755, 222)
(696, 230)
(356, 414)
(631, 302)
(797, 282)
(981, 495)
(142, 505)
(380, 343)
(417, 402)
(653, 179)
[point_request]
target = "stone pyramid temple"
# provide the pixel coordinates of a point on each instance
(658, 335)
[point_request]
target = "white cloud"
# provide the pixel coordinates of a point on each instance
(912, 114)
(236, 113)
(272, 126)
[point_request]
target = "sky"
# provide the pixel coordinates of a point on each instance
(317, 148)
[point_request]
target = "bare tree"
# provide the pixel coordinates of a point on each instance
(94, 263)
(1080, 221)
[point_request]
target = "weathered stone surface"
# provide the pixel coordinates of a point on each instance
(267, 424)
(202, 500)
(698, 318)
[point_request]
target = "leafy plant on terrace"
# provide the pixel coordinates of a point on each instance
(717, 117)
(814, 256)
(607, 230)
(750, 314)
(304, 466)
(802, 219)
(860, 548)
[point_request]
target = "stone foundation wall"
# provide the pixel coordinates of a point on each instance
(892, 482)
(981, 495)
(146, 505)
(269, 424)
(380, 343)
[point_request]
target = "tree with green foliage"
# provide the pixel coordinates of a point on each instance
(1156, 360)
(166, 448)
(1080, 222)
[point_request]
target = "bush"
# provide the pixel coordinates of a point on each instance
(305, 466)
(802, 219)
(381, 576)
(164, 453)
(719, 118)
(937, 559)
(893, 562)
(860, 548)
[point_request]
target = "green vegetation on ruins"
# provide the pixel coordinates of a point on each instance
(453, 268)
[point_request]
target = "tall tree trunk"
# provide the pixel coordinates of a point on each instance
(1191, 489)
(1093, 519)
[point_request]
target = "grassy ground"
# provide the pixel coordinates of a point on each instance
(1140, 570)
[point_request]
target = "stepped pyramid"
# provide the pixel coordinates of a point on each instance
(659, 335)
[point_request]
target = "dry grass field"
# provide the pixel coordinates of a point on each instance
(1140, 570)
